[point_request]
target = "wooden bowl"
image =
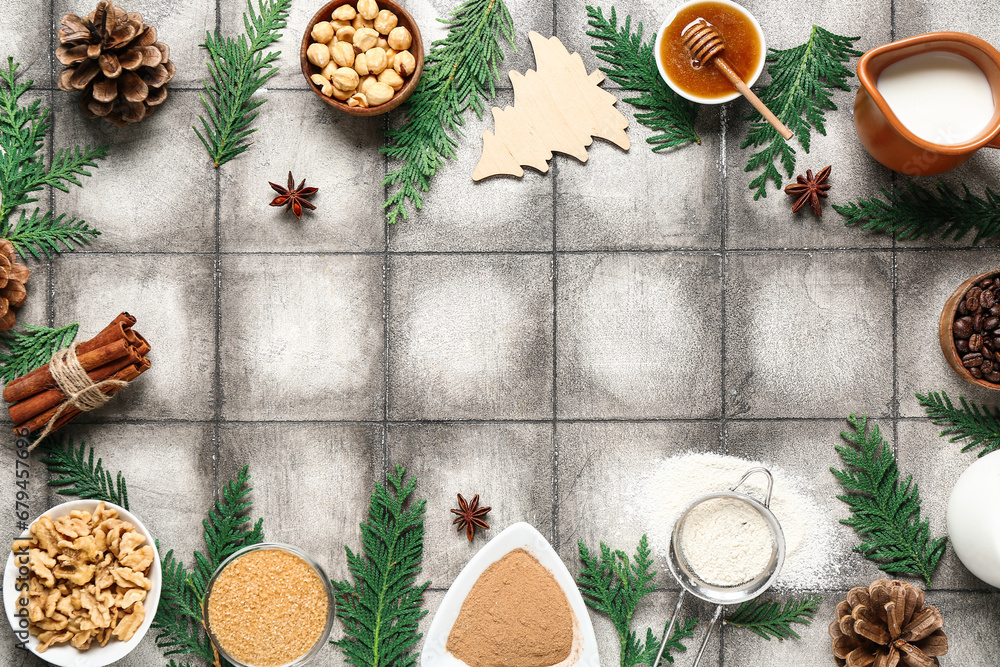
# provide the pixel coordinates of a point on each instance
(416, 48)
(947, 338)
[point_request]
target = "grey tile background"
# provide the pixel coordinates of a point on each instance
(532, 340)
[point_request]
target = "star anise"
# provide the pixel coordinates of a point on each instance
(294, 197)
(809, 189)
(470, 516)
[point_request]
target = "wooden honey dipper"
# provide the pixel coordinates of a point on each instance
(705, 45)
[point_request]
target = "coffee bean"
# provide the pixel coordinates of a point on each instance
(963, 327)
(977, 323)
(991, 323)
(994, 377)
(988, 300)
(987, 352)
(985, 283)
(995, 310)
(962, 346)
(972, 359)
(976, 373)
(972, 304)
(962, 310)
(996, 343)
(987, 367)
(975, 342)
(974, 291)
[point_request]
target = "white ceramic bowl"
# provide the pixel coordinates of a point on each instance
(519, 536)
(65, 655)
(708, 100)
(974, 518)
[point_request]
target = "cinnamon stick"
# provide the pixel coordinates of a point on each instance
(127, 374)
(30, 384)
(34, 405)
(36, 382)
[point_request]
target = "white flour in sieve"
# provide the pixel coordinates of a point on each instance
(814, 557)
(726, 541)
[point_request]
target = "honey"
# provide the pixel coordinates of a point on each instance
(743, 50)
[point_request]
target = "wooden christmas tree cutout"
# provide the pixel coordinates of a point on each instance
(558, 107)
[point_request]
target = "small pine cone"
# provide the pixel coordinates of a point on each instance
(13, 275)
(116, 61)
(885, 625)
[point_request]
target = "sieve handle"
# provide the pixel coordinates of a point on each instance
(770, 482)
(670, 627)
(708, 634)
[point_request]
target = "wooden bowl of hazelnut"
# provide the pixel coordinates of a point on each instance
(363, 57)
(969, 330)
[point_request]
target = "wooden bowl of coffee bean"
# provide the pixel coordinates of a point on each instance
(969, 330)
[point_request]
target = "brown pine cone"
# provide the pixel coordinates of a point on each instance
(13, 275)
(885, 625)
(117, 63)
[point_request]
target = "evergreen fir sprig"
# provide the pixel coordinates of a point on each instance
(228, 529)
(74, 469)
(380, 610)
(913, 212)
(799, 95)
(23, 172)
(460, 73)
(978, 425)
(239, 67)
(634, 69)
(769, 619)
(885, 510)
(32, 348)
(613, 584)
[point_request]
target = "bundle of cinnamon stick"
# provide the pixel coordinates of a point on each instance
(117, 353)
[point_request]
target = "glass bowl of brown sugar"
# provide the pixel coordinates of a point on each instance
(269, 605)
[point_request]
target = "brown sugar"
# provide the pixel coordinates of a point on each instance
(267, 608)
(743, 49)
(516, 615)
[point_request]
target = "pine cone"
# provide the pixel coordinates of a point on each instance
(885, 625)
(114, 58)
(13, 275)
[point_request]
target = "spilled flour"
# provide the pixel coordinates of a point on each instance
(811, 545)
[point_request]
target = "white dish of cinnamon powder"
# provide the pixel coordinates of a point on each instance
(519, 552)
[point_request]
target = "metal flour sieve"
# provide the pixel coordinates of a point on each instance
(722, 595)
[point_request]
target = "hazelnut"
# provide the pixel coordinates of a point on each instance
(322, 32)
(379, 93)
(404, 63)
(346, 78)
(375, 60)
(390, 78)
(385, 21)
(366, 83)
(382, 43)
(400, 38)
(345, 34)
(337, 25)
(328, 71)
(358, 100)
(368, 9)
(342, 95)
(342, 53)
(390, 57)
(318, 54)
(360, 63)
(360, 22)
(365, 39)
(344, 13)
(324, 84)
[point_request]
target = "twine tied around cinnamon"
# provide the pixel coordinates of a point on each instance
(81, 392)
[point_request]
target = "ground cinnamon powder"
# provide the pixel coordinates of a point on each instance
(516, 615)
(268, 608)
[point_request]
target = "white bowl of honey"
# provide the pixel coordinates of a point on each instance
(745, 50)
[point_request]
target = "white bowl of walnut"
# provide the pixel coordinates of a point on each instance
(82, 584)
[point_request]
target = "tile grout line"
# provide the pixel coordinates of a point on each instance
(723, 190)
(555, 369)
(894, 275)
(217, 264)
(385, 314)
(50, 297)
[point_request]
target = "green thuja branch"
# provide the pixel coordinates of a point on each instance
(885, 510)
(460, 73)
(380, 610)
(770, 619)
(913, 212)
(633, 68)
(978, 425)
(75, 470)
(32, 348)
(799, 95)
(613, 584)
(23, 172)
(239, 67)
